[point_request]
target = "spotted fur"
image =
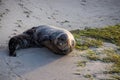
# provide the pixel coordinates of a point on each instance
(58, 40)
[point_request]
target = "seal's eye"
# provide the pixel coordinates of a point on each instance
(63, 37)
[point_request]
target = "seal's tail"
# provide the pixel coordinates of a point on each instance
(18, 42)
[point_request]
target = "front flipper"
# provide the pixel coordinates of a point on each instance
(41, 39)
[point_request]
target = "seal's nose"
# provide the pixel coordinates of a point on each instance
(60, 44)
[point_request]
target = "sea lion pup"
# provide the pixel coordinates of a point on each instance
(58, 40)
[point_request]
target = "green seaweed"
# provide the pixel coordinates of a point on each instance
(109, 33)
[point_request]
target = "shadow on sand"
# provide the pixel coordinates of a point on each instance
(27, 60)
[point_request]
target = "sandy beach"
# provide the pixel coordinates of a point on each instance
(17, 16)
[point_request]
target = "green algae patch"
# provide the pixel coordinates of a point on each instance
(109, 33)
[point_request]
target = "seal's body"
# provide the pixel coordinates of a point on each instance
(58, 40)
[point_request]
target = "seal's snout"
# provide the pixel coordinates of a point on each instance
(62, 40)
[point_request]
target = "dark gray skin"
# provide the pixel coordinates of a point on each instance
(58, 40)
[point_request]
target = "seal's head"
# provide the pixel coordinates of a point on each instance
(65, 43)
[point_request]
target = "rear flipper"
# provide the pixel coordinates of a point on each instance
(18, 42)
(12, 46)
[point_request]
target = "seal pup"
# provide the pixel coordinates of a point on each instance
(58, 40)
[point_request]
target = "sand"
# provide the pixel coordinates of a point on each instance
(17, 16)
